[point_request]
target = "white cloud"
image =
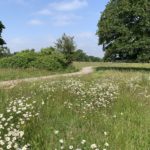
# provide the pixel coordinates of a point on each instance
(68, 5)
(83, 35)
(35, 22)
(57, 11)
(65, 19)
(20, 2)
(45, 12)
(21, 43)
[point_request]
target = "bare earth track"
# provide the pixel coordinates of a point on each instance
(12, 83)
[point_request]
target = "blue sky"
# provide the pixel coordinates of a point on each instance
(39, 23)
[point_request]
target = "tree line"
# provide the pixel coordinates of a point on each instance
(58, 57)
(123, 31)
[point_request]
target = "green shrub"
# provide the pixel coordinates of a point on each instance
(28, 58)
(49, 63)
(20, 60)
(144, 57)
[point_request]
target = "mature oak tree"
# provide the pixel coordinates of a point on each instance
(124, 30)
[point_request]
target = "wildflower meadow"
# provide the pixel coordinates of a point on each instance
(105, 110)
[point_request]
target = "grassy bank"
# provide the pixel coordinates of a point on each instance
(105, 110)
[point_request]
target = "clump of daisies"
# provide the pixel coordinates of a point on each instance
(13, 121)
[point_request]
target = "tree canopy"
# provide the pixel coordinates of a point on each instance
(124, 30)
(2, 42)
(80, 55)
(4, 51)
(67, 46)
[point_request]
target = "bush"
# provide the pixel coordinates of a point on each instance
(55, 61)
(20, 60)
(29, 58)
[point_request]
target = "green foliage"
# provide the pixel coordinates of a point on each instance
(66, 45)
(22, 59)
(48, 50)
(53, 61)
(29, 58)
(2, 42)
(94, 59)
(124, 30)
(79, 55)
(3, 50)
(144, 57)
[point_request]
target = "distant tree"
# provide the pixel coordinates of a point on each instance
(3, 50)
(94, 59)
(66, 45)
(2, 42)
(124, 30)
(79, 55)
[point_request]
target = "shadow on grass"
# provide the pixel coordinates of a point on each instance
(123, 69)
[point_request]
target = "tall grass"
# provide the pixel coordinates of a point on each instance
(110, 64)
(11, 74)
(106, 110)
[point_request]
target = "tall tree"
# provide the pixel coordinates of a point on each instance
(66, 45)
(124, 30)
(3, 50)
(2, 42)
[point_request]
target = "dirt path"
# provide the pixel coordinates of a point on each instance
(12, 83)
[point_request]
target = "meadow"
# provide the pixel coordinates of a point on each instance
(13, 74)
(20, 73)
(9, 74)
(105, 110)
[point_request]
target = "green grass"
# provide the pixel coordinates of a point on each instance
(80, 65)
(10, 74)
(109, 65)
(126, 119)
